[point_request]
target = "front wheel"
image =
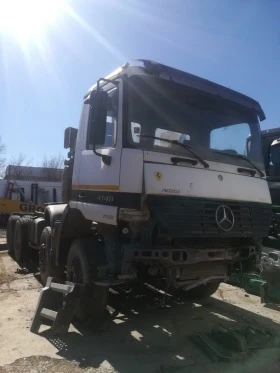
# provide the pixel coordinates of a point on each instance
(80, 270)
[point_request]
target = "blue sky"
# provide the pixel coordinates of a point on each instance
(42, 81)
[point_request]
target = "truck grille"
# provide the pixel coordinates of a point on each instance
(194, 217)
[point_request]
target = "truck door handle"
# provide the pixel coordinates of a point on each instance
(81, 196)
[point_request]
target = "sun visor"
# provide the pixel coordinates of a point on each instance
(204, 85)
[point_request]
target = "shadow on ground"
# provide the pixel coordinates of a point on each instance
(143, 335)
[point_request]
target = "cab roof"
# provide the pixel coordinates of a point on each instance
(161, 71)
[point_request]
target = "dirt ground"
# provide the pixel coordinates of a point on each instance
(141, 335)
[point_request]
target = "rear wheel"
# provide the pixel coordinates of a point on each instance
(22, 251)
(46, 261)
(81, 269)
(11, 233)
(201, 292)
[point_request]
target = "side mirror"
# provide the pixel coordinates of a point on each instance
(70, 136)
(98, 103)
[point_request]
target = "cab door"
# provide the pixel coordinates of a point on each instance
(97, 189)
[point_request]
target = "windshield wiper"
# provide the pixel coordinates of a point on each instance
(240, 156)
(176, 142)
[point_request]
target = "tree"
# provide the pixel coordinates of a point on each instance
(2, 158)
(20, 167)
(52, 167)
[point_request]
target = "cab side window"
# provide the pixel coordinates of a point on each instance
(111, 122)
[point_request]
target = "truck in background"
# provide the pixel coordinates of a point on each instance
(271, 154)
(264, 280)
(157, 186)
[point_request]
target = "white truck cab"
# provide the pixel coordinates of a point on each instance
(164, 187)
(161, 158)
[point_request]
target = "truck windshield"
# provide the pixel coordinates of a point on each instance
(164, 109)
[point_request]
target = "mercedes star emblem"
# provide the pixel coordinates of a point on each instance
(224, 218)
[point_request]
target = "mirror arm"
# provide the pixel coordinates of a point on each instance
(105, 158)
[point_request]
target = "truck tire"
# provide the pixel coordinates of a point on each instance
(81, 269)
(22, 251)
(11, 233)
(4, 220)
(202, 292)
(46, 261)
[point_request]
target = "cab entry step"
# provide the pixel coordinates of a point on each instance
(57, 303)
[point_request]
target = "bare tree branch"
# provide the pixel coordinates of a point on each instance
(2, 158)
(52, 166)
(20, 166)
